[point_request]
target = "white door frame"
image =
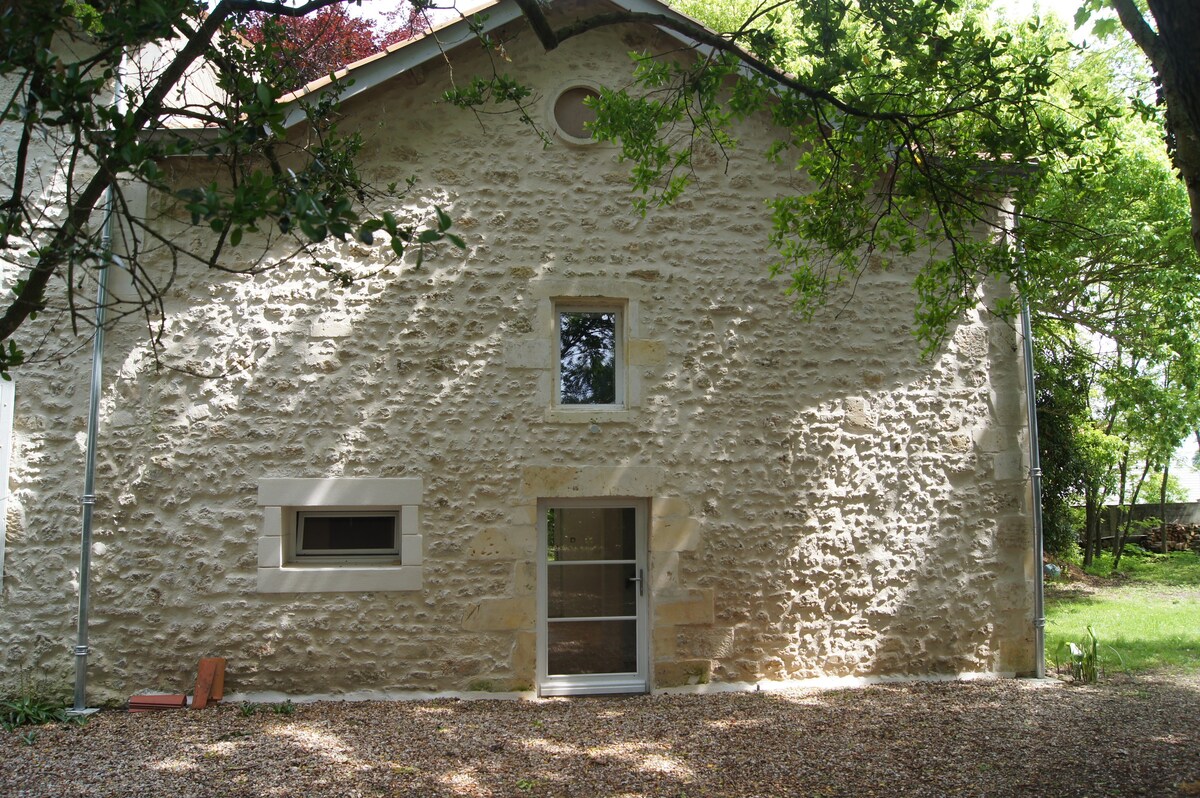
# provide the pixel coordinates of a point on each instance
(597, 683)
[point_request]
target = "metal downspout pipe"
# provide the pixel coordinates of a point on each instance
(1035, 478)
(88, 499)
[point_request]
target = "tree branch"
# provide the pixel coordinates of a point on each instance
(13, 205)
(267, 7)
(537, 20)
(1141, 32)
(704, 36)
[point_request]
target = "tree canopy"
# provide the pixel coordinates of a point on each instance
(313, 46)
(97, 92)
(916, 126)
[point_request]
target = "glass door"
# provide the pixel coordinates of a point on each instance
(592, 596)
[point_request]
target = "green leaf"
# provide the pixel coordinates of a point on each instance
(443, 221)
(1105, 27)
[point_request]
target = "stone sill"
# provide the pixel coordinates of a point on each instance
(339, 580)
(559, 415)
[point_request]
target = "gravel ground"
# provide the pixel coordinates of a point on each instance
(1008, 738)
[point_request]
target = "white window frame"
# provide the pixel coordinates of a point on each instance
(308, 554)
(573, 305)
(280, 570)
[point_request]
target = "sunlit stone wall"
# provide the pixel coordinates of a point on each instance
(823, 501)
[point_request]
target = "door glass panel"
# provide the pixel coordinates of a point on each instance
(584, 591)
(590, 533)
(577, 647)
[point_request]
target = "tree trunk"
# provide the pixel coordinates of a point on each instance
(1162, 505)
(1092, 508)
(1175, 56)
(1123, 510)
(1123, 535)
(1089, 522)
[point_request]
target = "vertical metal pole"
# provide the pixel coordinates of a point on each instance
(88, 500)
(1035, 476)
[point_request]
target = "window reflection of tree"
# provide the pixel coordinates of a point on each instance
(587, 358)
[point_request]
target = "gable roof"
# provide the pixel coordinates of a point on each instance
(403, 56)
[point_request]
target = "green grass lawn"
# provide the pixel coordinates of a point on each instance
(1149, 620)
(1178, 568)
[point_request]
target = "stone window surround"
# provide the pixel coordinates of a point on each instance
(552, 121)
(537, 353)
(281, 498)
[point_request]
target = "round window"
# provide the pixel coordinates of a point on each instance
(572, 116)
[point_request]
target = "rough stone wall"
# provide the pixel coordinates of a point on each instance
(823, 501)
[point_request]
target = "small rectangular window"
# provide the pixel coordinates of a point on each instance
(347, 534)
(589, 356)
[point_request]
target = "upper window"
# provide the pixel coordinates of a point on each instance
(590, 367)
(348, 534)
(572, 113)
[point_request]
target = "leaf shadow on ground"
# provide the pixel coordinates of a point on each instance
(1126, 737)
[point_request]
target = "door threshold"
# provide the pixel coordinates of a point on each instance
(628, 688)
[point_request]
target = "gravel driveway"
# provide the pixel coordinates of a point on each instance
(1006, 738)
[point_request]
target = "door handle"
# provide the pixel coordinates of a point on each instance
(640, 579)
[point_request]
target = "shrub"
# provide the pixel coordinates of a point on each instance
(33, 702)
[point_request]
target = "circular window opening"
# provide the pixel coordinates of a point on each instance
(572, 115)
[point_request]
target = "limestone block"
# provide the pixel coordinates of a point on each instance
(694, 609)
(524, 659)
(669, 505)
(675, 533)
(677, 673)
(664, 572)
(1014, 533)
(645, 352)
(528, 354)
(503, 543)
(525, 578)
(1008, 465)
(1016, 654)
(859, 415)
(958, 442)
(269, 552)
(501, 615)
(620, 480)
(663, 642)
(707, 642)
(331, 328)
(971, 342)
(1008, 403)
(547, 480)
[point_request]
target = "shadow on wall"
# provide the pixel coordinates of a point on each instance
(824, 459)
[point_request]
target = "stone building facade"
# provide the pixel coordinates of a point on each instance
(763, 499)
